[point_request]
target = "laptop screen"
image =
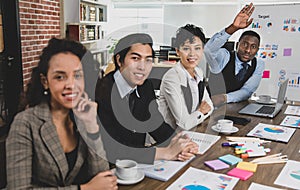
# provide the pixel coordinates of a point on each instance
(282, 91)
(281, 94)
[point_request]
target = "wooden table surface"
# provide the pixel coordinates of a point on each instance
(265, 174)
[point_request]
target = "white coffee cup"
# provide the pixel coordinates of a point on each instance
(264, 98)
(126, 169)
(224, 125)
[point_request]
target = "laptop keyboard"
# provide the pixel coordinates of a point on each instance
(266, 110)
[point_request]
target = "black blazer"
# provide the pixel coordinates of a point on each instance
(226, 81)
(124, 132)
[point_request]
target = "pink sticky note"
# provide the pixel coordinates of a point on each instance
(216, 164)
(287, 52)
(239, 173)
(266, 74)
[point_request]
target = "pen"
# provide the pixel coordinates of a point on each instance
(232, 144)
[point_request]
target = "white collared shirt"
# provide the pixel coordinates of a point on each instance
(239, 64)
(218, 58)
(193, 83)
(123, 87)
(172, 103)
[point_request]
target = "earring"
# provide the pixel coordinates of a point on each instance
(46, 92)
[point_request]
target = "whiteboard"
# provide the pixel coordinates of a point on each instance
(206, 16)
(279, 28)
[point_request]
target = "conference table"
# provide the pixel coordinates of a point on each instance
(265, 174)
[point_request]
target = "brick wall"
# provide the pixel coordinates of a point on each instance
(39, 21)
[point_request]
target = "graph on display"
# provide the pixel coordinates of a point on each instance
(295, 174)
(278, 25)
(196, 179)
(267, 51)
(195, 187)
(294, 79)
(291, 25)
(292, 110)
(272, 132)
(294, 82)
(291, 121)
(256, 25)
(289, 175)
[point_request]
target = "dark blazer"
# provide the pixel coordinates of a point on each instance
(126, 131)
(35, 157)
(227, 78)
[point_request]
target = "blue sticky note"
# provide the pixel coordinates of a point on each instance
(230, 159)
(216, 164)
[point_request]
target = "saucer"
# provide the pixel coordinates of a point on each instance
(140, 177)
(272, 101)
(234, 130)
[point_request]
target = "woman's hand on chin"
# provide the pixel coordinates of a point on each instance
(86, 112)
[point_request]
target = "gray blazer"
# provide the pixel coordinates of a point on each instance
(35, 157)
(175, 100)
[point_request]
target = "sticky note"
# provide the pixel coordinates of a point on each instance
(239, 173)
(216, 164)
(230, 159)
(287, 52)
(266, 74)
(247, 166)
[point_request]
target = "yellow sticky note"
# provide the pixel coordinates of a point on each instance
(247, 166)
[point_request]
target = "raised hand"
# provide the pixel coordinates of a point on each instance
(242, 19)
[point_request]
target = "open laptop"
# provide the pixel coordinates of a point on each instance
(267, 110)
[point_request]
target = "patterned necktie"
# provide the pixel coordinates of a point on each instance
(240, 76)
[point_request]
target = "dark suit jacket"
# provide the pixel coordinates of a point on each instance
(125, 132)
(35, 157)
(227, 81)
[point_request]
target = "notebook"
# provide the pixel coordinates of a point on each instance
(204, 141)
(267, 110)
